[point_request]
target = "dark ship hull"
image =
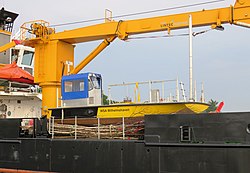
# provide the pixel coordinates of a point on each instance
(172, 144)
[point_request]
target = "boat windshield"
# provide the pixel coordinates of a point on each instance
(96, 82)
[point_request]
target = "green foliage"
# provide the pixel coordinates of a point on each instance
(213, 106)
(105, 100)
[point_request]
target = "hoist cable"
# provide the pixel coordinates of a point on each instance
(168, 36)
(139, 13)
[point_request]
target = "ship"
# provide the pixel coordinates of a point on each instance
(130, 141)
(20, 97)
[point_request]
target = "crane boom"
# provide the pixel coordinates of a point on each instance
(163, 23)
(233, 15)
(9, 45)
(54, 49)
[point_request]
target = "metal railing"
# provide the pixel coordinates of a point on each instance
(34, 29)
(76, 130)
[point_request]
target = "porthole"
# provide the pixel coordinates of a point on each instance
(248, 128)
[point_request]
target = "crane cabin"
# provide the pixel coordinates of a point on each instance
(84, 89)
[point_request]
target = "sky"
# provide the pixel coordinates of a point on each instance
(220, 58)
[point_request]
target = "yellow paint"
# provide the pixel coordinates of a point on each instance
(5, 32)
(7, 46)
(92, 55)
(138, 110)
(137, 93)
(197, 108)
(49, 62)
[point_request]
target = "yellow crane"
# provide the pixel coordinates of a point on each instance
(9, 45)
(52, 49)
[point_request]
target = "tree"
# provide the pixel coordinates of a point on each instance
(213, 106)
(105, 100)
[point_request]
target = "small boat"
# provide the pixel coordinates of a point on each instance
(82, 97)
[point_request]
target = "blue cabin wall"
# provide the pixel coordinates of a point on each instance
(75, 94)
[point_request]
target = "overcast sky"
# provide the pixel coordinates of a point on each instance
(221, 59)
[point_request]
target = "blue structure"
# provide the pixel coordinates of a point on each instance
(82, 87)
(75, 86)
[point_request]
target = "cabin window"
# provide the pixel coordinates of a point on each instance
(68, 86)
(81, 86)
(90, 85)
(14, 54)
(74, 86)
(27, 58)
(96, 82)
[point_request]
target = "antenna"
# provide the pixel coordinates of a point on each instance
(177, 90)
(195, 93)
(183, 91)
(202, 93)
(190, 60)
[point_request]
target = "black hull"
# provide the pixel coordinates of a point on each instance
(216, 143)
